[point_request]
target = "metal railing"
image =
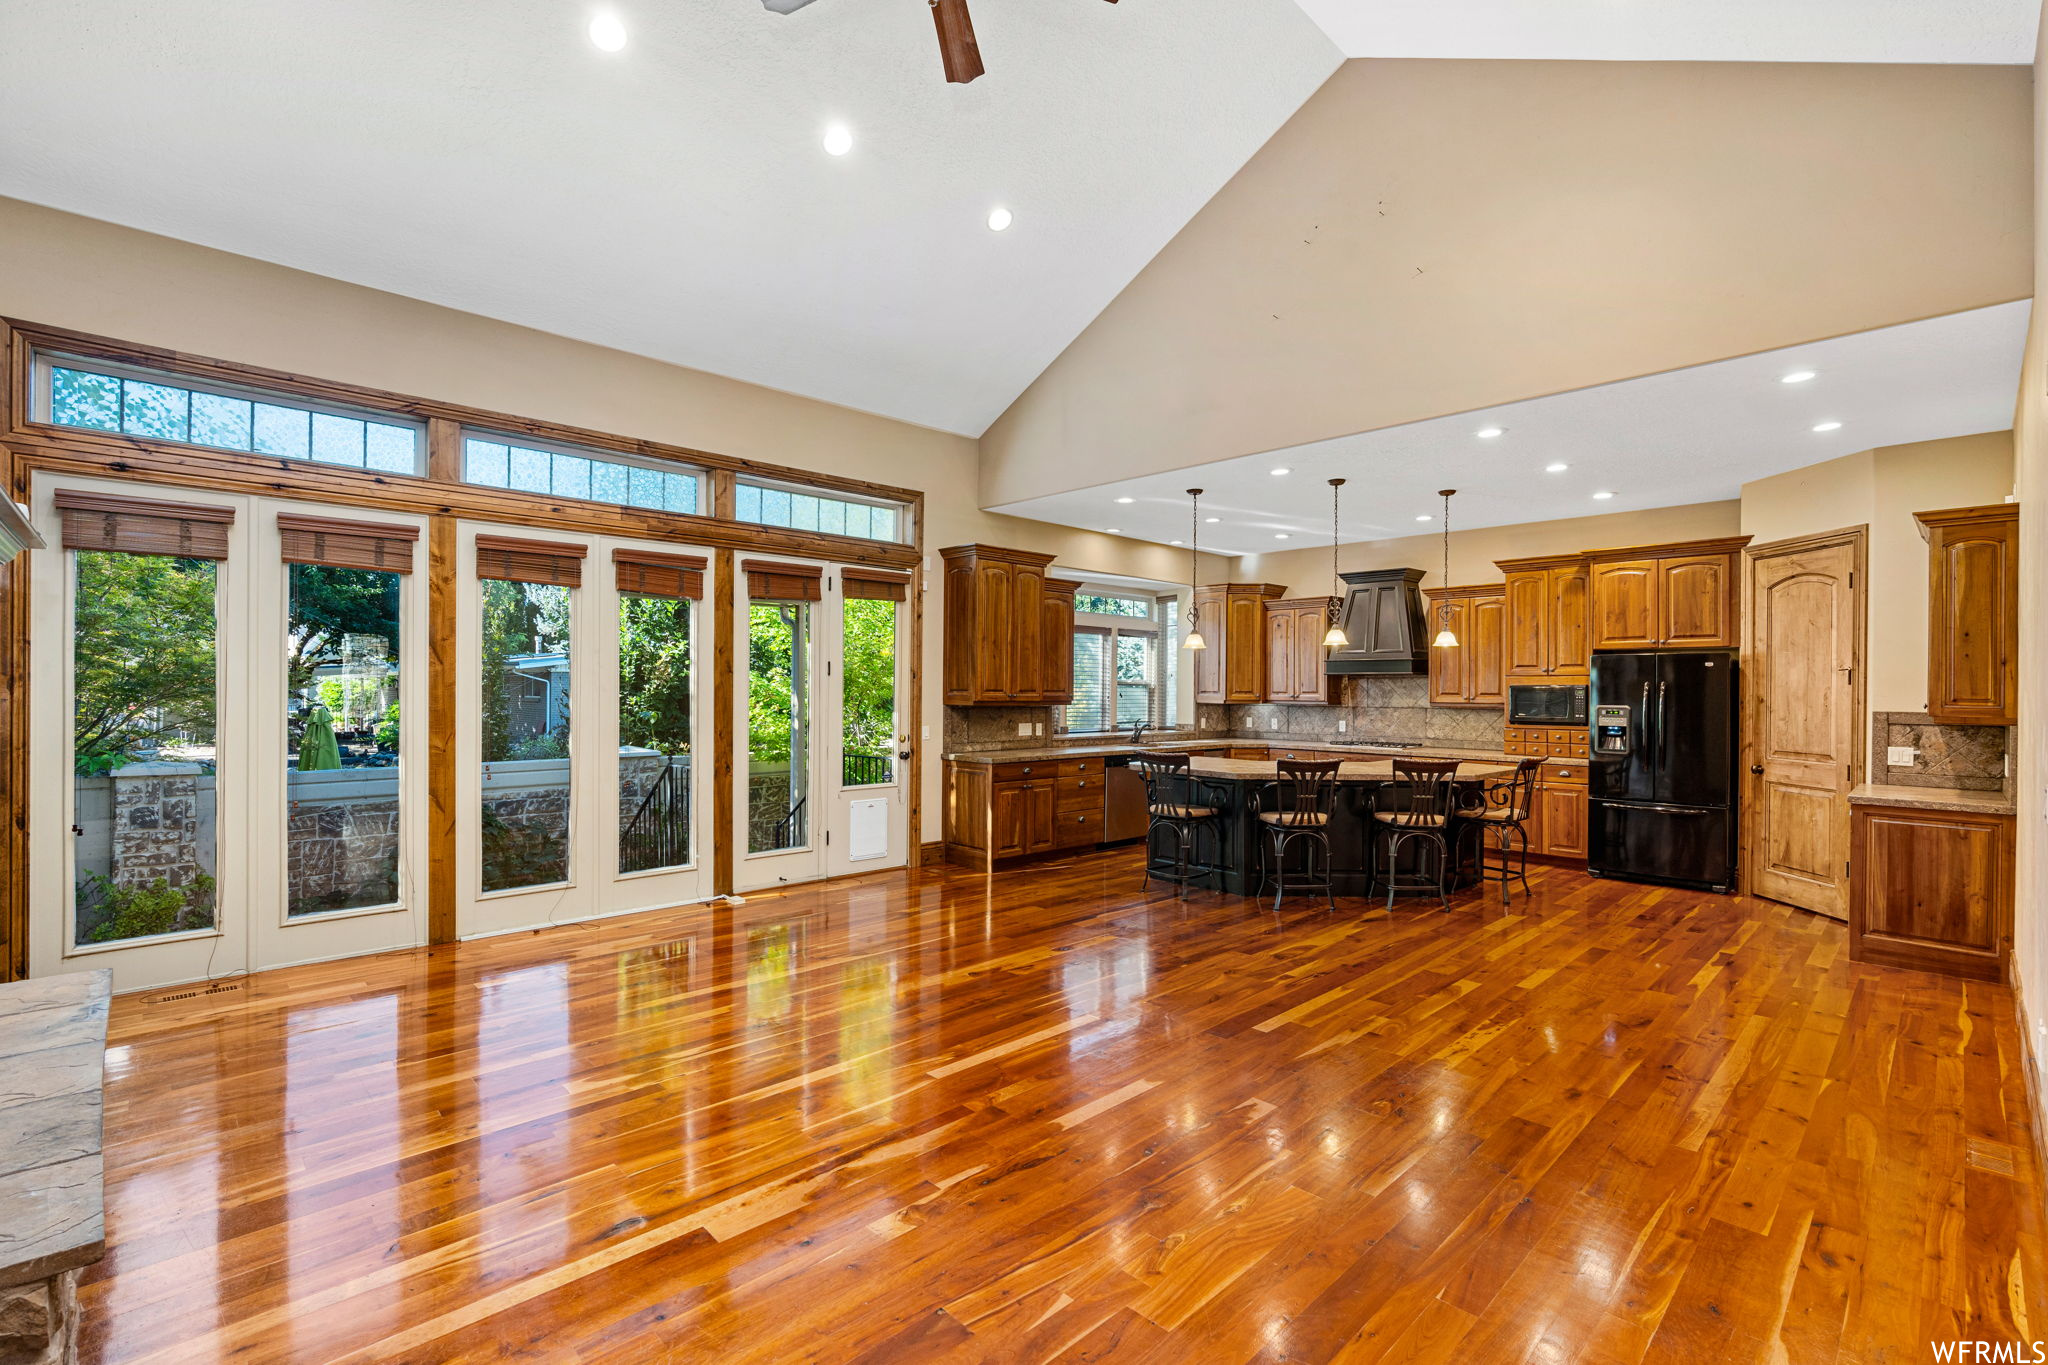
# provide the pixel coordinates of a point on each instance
(868, 770)
(658, 835)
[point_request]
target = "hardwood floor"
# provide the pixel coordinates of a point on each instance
(928, 1117)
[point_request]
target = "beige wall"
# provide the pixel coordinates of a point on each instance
(1306, 573)
(1429, 237)
(2030, 750)
(74, 272)
(1883, 488)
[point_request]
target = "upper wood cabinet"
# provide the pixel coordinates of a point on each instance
(1009, 632)
(1544, 631)
(1973, 614)
(1232, 619)
(1682, 595)
(1295, 627)
(1472, 673)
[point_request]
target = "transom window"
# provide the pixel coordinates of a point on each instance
(527, 466)
(809, 510)
(1125, 664)
(93, 395)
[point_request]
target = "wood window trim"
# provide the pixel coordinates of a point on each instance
(384, 547)
(24, 339)
(875, 585)
(150, 526)
(772, 580)
(648, 573)
(514, 560)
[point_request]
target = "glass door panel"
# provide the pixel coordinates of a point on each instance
(869, 819)
(657, 709)
(778, 726)
(524, 654)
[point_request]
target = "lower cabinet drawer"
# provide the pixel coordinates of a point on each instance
(1081, 793)
(1563, 774)
(1080, 767)
(1074, 828)
(1020, 772)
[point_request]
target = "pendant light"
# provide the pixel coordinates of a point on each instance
(1334, 637)
(1446, 638)
(1194, 640)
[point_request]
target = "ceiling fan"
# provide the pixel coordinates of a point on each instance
(956, 35)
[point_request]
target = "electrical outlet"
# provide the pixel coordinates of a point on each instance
(1899, 756)
(1038, 727)
(1273, 723)
(1343, 725)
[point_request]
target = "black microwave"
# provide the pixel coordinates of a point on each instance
(1547, 704)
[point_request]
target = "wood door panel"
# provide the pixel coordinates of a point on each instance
(1972, 572)
(1027, 637)
(1280, 654)
(1934, 881)
(1570, 597)
(1447, 670)
(992, 647)
(1625, 602)
(1528, 600)
(1485, 641)
(1562, 820)
(1009, 835)
(1802, 724)
(1245, 646)
(1056, 645)
(1696, 601)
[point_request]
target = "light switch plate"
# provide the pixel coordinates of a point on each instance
(1899, 756)
(1024, 728)
(1343, 725)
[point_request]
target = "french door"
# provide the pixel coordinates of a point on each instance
(228, 787)
(819, 773)
(580, 692)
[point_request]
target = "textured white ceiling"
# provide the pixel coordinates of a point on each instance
(1691, 435)
(1994, 31)
(673, 199)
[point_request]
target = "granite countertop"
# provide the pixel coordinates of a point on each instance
(1933, 798)
(1050, 752)
(53, 1042)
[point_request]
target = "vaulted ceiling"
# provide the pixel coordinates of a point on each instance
(673, 198)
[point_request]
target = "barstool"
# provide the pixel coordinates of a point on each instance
(1415, 807)
(1498, 812)
(1303, 799)
(1186, 812)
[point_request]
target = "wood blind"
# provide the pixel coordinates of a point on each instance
(877, 584)
(346, 544)
(658, 575)
(530, 561)
(141, 526)
(783, 582)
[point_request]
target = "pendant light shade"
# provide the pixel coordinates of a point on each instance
(1334, 637)
(1194, 640)
(1446, 638)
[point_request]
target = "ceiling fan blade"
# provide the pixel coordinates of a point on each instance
(792, 6)
(956, 40)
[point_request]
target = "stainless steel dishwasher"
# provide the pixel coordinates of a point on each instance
(1123, 802)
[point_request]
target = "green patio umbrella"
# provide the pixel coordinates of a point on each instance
(317, 749)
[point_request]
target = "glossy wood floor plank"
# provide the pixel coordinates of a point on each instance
(931, 1117)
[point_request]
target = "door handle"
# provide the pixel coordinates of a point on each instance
(1757, 768)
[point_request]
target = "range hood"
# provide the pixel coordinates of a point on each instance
(1384, 620)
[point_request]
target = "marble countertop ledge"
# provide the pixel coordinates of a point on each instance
(53, 1037)
(1050, 752)
(1932, 798)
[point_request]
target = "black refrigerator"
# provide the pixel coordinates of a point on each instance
(1662, 784)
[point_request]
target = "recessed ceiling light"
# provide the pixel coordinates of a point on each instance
(1126, 499)
(1112, 530)
(1176, 542)
(607, 32)
(1827, 426)
(838, 139)
(1557, 468)
(1283, 469)
(1488, 433)
(1211, 521)
(1282, 535)
(1425, 517)
(1797, 377)
(998, 219)
(1603, 495)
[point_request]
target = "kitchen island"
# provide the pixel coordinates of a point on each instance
(1236, 784)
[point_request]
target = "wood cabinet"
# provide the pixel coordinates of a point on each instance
(1232, 619)
(1973, 614)
(1682, 595)
(1931, 889)
(1294, 650)
(1543, 633)
(1009, 631)
(1473, 673)
(1558, 815)
(995, 812)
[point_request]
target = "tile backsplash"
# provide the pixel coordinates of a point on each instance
(1370, 708)
(1966, 757)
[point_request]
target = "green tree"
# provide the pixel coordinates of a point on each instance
(330, 603)
(143, 654)
(518, 618)
(654, 673)
(868, 666)
(771, 678)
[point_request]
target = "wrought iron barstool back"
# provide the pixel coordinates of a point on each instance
(1183, 804)
(1416, 807)
(1497, 814)
(1301, 803)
